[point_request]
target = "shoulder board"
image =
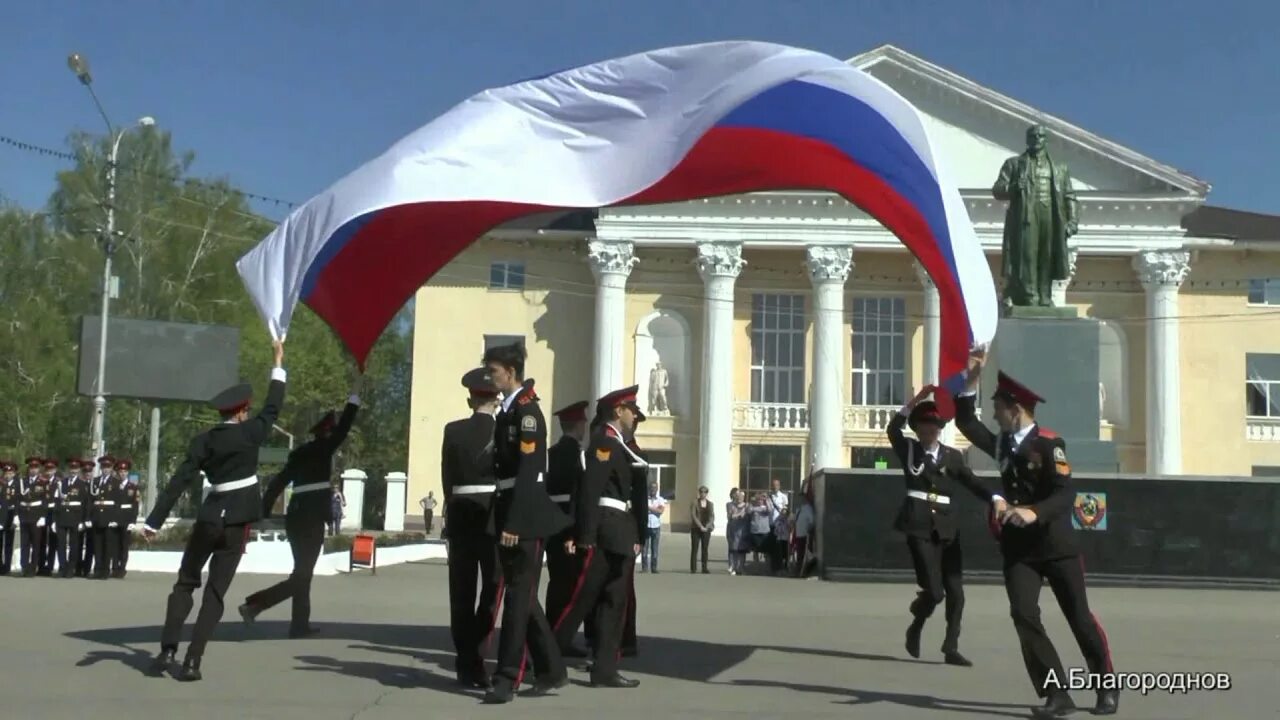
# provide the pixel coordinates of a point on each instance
(1048, 434)
(525, 399)
(610, 432)
(603, 453)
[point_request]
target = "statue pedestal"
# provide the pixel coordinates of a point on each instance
(1066, 312)
(1058, 360)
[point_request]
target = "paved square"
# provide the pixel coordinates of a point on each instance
(712, 646)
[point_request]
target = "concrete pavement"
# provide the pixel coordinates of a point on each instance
(712, 646)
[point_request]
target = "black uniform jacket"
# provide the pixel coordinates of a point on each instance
(73, 507)
(35, 496)
(308, 464)
(225, 453)
(567, 463)
(1035, 474)
(106, 496)
(612, 475)
(936, 479)
(522, 506)
(466, 461)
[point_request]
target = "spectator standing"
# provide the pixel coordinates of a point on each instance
(428, 505)
(738, 532)
(703, 513)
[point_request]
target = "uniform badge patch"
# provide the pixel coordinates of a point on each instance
(527, 447)
(603, 454)
(529, 423)
(1059, 455)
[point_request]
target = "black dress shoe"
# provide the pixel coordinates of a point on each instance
(499, 695)
(617, 681)
(1108, 702)
(913, 638)
(161, 663)
(190, 671)
(546, 687)
(953, 657)
(1058, 705)
(475, 680)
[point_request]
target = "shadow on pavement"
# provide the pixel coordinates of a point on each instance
(923, 702)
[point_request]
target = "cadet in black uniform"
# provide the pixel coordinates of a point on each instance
(102, 515)
(228, 454)
(53, 483)
(8, 513)
(309, 468)
(467, 480)
(125, 516)
(73, 504)
(612, 512)
(33, 496)
(565, 461)
(1036, 537)
(523, 517)
(106, 466)
(926, 517)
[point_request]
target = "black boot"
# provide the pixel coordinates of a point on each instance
(913, 637)
(1108, 702)
(190, 671)
(1058, 705)
(162, 662)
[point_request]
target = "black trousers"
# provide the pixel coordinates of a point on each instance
(6, 542)
(473, 560)
(563, 571)
(523, 623)
(125, 537)
(220, 546)
(306, 540)
(87, 559)
(68, 550)
(51, 544)
(31, 554)
(629, 644)
(698, 539)
(1022, 581)
(106, 550)
(939, 568)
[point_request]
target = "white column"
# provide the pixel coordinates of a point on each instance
(353, 491)
(933, 341)
(719, 264)
(611, 264)
(1161, 274)
(396, 502)
(828, 268)
(1060, 286)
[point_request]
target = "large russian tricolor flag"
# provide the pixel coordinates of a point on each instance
(661, 126)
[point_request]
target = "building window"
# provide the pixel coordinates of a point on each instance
(1262, 385)
(1264, 291)
(777, 348)
(492, 341)
(662, 470)
(872, 457)
(506, 275)
(1113, 390)
(879, 351)
(760, 465)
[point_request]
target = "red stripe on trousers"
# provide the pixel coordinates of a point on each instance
(533, 598)
(577, 589)
(1106, 645)
(493, 622)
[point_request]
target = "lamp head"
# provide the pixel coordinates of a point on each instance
(146, 121)
(80, 67)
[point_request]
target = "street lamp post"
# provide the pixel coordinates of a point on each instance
(80, 67)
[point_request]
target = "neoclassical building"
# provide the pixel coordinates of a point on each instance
(786, 328)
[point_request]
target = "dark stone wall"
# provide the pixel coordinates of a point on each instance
(1192, 528)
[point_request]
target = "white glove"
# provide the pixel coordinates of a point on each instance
(16, 521)
(111, 525)
(40, 522)
(81, 526)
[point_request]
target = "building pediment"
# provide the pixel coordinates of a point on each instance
(979, 128)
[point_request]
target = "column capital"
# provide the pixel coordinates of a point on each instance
(1162, 268)
(608, 257)
(828, 262)
(719, 259)
(923, 276)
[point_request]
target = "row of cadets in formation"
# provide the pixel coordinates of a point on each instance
(1030, 516)
(508, 500)
(77, 519)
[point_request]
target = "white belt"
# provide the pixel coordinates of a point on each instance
(929, 497)
(105, 502)
(508, 483)
(235, 485)
(312, 487)
(71, 503)
(125, 507)
(475, 489)
(615, 504)
(561, 498)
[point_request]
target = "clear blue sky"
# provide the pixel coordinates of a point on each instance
(286, 96)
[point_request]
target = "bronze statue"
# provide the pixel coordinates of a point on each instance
(1042, 214)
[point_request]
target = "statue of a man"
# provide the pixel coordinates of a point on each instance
(1042, 214)
(658, 382)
